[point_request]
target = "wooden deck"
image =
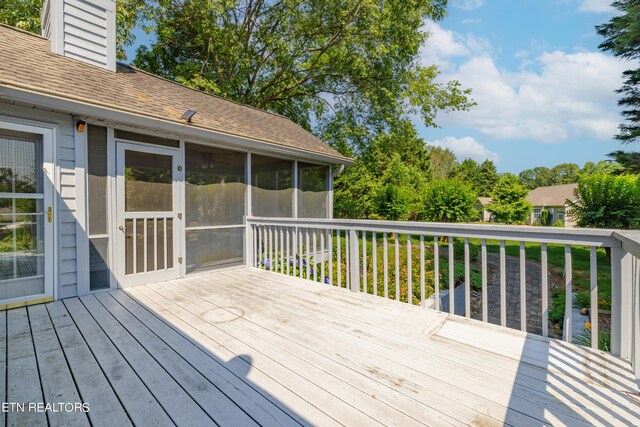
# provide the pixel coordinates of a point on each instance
(242, 347)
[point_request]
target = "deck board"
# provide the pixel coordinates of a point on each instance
(56, 380)
(248, 347)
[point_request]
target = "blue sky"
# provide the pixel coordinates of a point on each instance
(545, 92)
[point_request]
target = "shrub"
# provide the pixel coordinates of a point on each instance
(458, 250)
(544, 217)
(558, 223)
(449, 201)
(556, 311)
(509, 204)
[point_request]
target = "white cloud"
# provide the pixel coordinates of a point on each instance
(466, 147)
(596, 6)
(468, 4)
(554, 97)
(471, 21)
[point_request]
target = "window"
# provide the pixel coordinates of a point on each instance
(214, 198)
(272, 181)
(312, 199)
(97, 215)
(537, 212)
(561, 215)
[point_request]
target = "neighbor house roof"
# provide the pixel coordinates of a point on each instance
(553, 195)
(484, 200)
(27, 63)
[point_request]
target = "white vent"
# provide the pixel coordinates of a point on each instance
(82, 29)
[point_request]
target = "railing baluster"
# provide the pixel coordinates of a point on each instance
(288, 251)
(307, 249)
(409, 274)
(275, 248)
(545, 290)
(354, 256)
(485, 298)
(315, 255)
(436, 273)
(385, 259)
(467, 279)
(593, 312)
(259, 246)
(523, 288)
(452, 288)
(300, 253)
(347, 258)
(322, 255)
(568, 287)
(270, 248)
(364, 261)
(330, 243)
(282, 253)
(422, 270)
(397, 271)
(294, 254)
(374, 255)
(135, 246)
(338, 260)
(503, 284)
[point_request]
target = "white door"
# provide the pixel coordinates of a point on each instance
(26, 213)
(148, 224)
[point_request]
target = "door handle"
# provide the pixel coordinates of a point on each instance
(122, 228)
(49, 214)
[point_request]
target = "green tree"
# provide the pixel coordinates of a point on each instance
(537, 177)
(449, 200)
(565, 173)
(509, 204)
(25, 14)
(441, 162)
(622, 38)
(355, 189)
(467, 171)
(350, 68)
(629, 161)
(486, 179)
(607, 201)
(393, 202)
(603, 166)
(399, 191)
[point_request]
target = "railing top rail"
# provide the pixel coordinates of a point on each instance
(630, 241)
(573, 236)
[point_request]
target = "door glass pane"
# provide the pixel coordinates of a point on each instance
(148, 182)
(21, 215)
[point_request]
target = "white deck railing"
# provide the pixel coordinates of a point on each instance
(345, 253)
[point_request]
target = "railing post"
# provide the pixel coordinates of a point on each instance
(354, 257)
(621, 316)
(249, 252)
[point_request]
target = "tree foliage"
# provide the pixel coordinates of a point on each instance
(622, 38)
(449, 200)
(564, 173)
(352, 68)
(629, 162)
(25, 14)
(509, 204)
(607, 201)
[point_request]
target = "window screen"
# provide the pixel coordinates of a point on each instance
(97, 202)
(272, 181)
(312, 199)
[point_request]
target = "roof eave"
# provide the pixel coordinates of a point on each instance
(174, 128)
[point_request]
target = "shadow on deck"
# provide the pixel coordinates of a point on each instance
(244, 347)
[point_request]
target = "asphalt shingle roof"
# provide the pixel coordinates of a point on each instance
(553, 195)
(26, 62)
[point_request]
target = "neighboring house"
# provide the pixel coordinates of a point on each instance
(553, 198)
(481, 205)
(112, 177)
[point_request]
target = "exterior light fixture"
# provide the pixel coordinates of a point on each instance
(80, 125)
(188, 115)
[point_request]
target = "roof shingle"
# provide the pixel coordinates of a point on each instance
(26, 62)
(553, 195)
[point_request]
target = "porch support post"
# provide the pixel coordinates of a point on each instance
(82, 225)
(249, 252)
(296, 190)
(354, 260)
(618, 315)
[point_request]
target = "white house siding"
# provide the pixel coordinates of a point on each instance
(66, 189)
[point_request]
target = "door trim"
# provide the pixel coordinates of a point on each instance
(117, 237)
(51, 194)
